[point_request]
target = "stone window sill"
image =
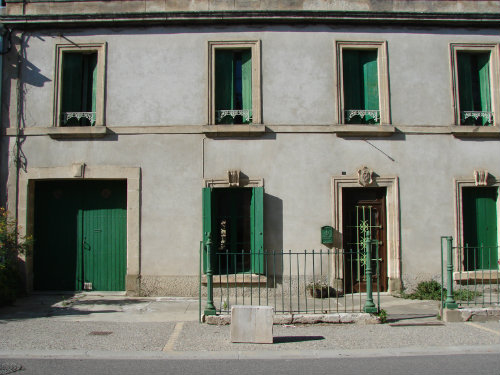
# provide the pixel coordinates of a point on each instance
(235, 280)
(352, 130)
(478, 276)
(77, 132)
(248, 130)
(475, 131)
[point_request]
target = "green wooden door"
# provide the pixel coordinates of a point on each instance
(80, 235)
(103, 238)
(480, 228)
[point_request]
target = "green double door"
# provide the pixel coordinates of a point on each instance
(480, 228)
(80, 235)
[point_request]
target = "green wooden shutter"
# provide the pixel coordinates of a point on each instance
(71, 100)
(207, 221)
(246, 79)
(480, 227)
(465, 82)
(352, 80)
(370, 79)
(257, 230)
(224, 73)
(92, 84)
(483, 65)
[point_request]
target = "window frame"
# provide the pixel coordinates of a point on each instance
(383, 77)
(100, 49)
(494, 50)
(254, 46)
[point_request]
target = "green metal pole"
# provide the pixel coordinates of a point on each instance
(450, 302)
(209, 308)
(369, 305)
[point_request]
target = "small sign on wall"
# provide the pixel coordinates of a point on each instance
(326, 235)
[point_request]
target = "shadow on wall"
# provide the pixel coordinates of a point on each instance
(273, 230)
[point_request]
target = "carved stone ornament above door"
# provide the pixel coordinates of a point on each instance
(481, 177)
(365, 176)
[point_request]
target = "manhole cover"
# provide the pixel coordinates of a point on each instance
(9, 367)
(100, 333)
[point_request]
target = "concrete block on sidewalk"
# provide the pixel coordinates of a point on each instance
(252, 324)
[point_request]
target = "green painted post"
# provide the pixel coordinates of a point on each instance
(209, 308)
(369, 305)
(450, 302)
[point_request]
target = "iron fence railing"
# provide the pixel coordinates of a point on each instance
(470, 273)
(293, 282)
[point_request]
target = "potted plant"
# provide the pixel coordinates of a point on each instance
(319, 289)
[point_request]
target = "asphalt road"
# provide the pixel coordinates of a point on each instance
(433, 364)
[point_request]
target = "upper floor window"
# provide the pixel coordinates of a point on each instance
(234, 95)
(474, 83)
(363, 83)
(79, 85)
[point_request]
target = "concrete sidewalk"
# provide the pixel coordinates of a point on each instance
(111, 323)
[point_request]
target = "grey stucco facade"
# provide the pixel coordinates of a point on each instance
(157, 136)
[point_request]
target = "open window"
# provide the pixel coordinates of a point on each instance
(363, 83)
(475, 83)
(233, 219)
(79, 93)
(234, 94)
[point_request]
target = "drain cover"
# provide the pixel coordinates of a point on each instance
(9, 367)
(100, 333)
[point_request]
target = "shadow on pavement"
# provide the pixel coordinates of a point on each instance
(286, 339)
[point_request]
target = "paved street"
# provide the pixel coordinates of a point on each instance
(428, 364)
(101, 326)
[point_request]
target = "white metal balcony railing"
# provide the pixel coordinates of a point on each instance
(244, 113)
(365, 114)
(67, 116)
(488, 116)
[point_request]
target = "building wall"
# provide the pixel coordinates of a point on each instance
(156, 86)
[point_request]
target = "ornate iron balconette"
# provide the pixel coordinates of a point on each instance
(365, 114)
(244, 113)
(475, 115)
(78, 116)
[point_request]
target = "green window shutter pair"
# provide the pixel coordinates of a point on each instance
(480, 228)
(79, 83)
(474, 84)
(233, 81)
(360, 79)
(256, 228)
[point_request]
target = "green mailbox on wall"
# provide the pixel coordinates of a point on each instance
(326, 235)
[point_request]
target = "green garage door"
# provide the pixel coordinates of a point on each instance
(80, 235)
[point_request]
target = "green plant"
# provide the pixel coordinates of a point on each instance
(465, 294)
(11, 246)
(382, 315)
(431, 290)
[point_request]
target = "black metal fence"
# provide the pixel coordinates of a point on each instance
(318, 282)
(470, 275)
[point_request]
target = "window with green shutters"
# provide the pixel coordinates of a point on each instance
(234, 82)
(475, 76)
(79, 85)
(78, 96)
(360, 85)
(234, 220)
(233, 86)
(474, 88)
